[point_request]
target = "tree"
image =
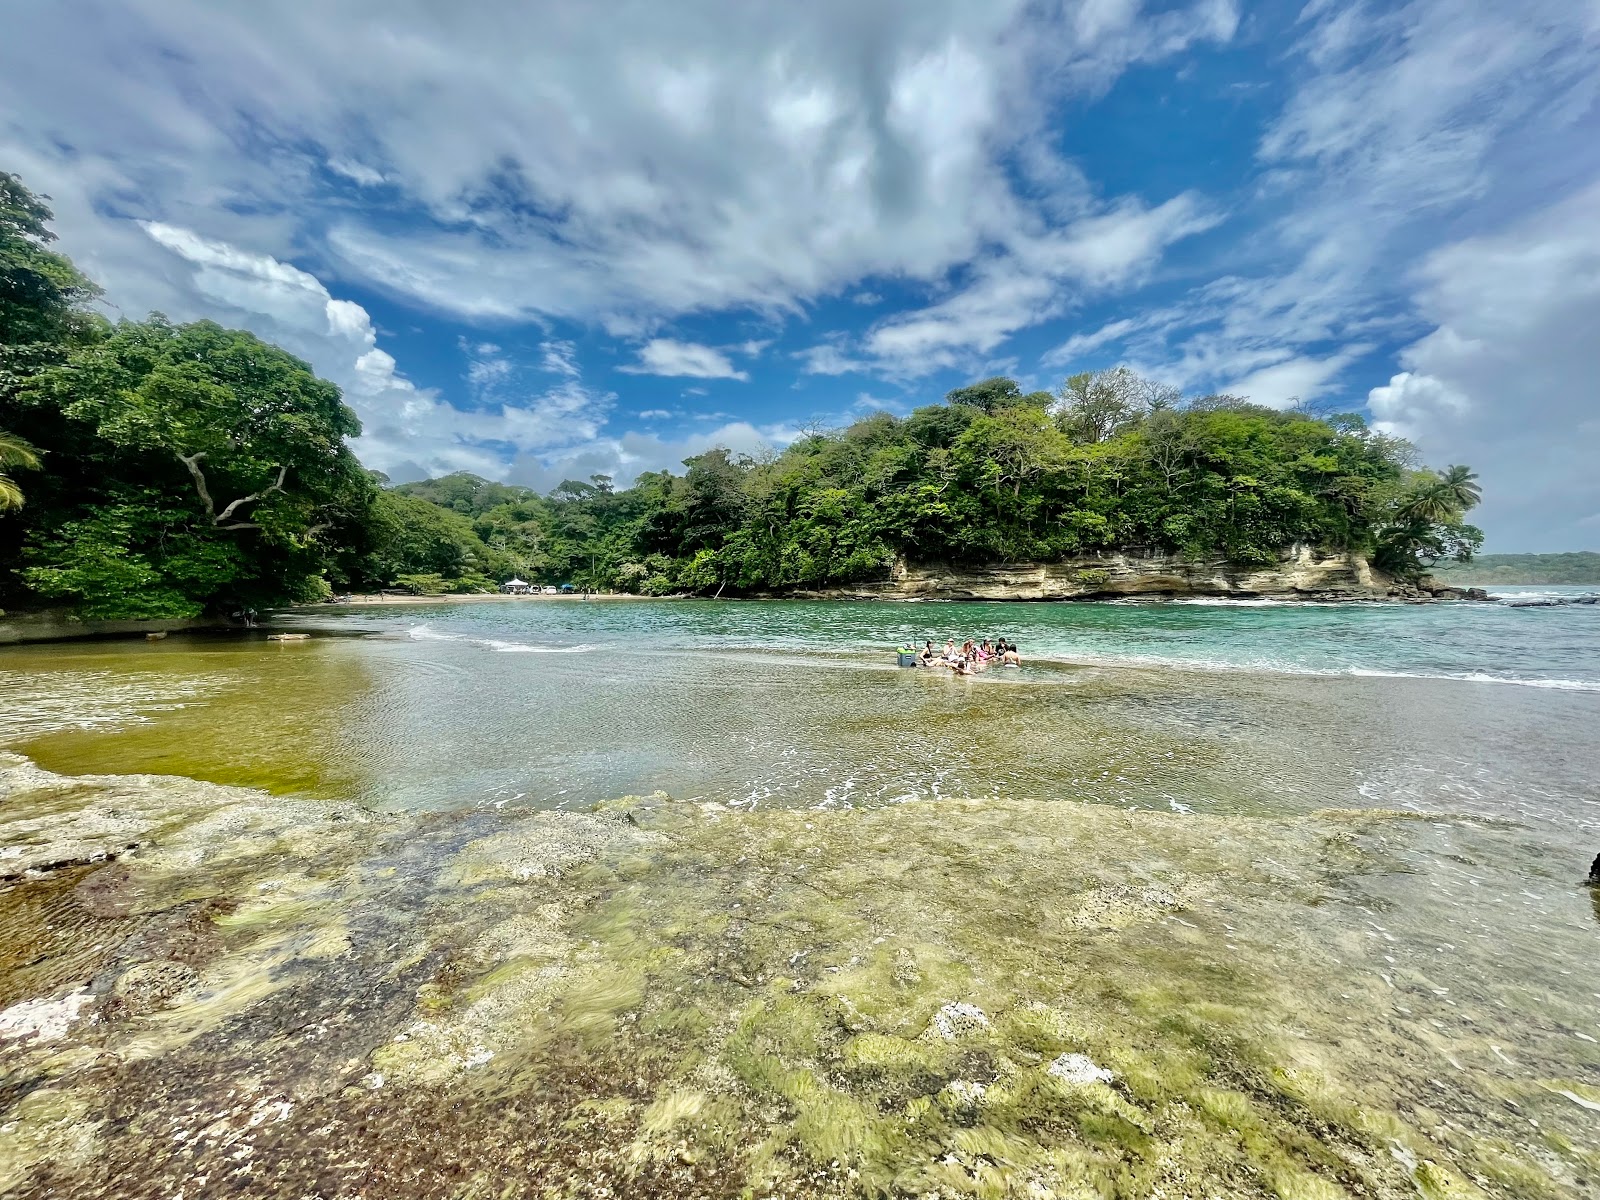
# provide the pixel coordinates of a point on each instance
(195, 445)
(1459, 485)
(43, 297)
(992, 395)
(1093, 406)
(14, 452)
(1435, 498)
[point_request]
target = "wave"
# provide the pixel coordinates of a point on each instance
(1244, 602)
(423, 633)
(1278, 667)
(849, 656)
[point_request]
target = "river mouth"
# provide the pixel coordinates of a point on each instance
(1351, 959)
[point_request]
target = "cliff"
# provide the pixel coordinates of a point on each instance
(1302, 573)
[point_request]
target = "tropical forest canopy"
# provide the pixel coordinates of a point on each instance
(155, 469)
(1578, 567)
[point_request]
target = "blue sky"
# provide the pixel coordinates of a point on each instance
(542, 240)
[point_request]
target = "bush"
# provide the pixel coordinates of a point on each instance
(423, 585)
(1094, 577)
(313, 589)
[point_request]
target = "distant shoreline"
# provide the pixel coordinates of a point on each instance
(356, 600)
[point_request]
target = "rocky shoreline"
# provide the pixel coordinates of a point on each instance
(214, 987)
(1302, 573)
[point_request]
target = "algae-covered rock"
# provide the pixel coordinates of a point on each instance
(957, 1020)
(1077, 1068)
(43, 1019)
(998, 999)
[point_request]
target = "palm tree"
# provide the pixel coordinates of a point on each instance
(14, 452)
(1428, 504)
(1460, 486)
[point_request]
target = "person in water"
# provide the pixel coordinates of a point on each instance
(1011, 658)
(928, 654)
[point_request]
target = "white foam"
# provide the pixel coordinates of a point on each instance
(423, 633)
(1279, 667)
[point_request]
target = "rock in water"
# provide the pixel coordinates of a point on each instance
(1077, 1068)
(956, 1020)
(1594, 872)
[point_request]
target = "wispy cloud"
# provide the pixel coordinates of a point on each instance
(667, 356)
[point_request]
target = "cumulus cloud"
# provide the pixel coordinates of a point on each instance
(718, 155)
(1505, 381)
(666, 356)
(407, 431)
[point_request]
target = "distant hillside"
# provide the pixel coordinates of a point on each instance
(1580, 566)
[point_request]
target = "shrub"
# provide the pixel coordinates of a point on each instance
(423, 585)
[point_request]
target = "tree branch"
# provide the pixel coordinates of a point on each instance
(192, 461)
(275, 486)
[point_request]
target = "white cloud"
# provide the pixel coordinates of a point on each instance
(656, 414)
(406, 430)
(1506, 379)
(1409, 405)
(666, 356)
(830, 358)
(356, 172)
(559, 358)
(1301, 377)
(1035, 279)
(1080, 344)
(538, 161)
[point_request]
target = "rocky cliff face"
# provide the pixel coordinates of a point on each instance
(1302, 573)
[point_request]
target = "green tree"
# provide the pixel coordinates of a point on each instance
(219, 460)
(1095, 405)
(14, 452)
(44, 299)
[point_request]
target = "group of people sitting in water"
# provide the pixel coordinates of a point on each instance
(971, 657)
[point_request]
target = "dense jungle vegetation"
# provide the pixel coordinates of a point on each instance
(1577, 567)
(155, 469)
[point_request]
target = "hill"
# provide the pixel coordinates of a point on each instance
(1577, 567)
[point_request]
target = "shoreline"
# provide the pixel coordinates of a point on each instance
(357, 600)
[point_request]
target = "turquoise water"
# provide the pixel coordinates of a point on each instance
(1475, 708)
(1491, 643)
(1355, 832)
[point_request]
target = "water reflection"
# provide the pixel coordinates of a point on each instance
(441, 724)
(235, 710)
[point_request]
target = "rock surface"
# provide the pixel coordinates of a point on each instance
(1302, 573)
(60, 625)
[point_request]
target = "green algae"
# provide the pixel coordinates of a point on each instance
(675, 1000)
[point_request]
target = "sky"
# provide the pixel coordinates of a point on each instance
(544, 239)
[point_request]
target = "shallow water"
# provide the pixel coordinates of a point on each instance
(1321, 922)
